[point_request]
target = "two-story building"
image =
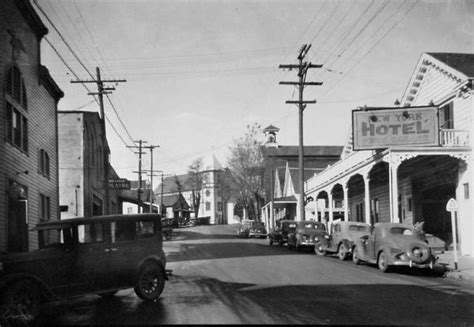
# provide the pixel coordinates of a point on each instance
(28, 133)
(384, 176)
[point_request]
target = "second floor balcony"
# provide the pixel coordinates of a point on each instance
(454, 137)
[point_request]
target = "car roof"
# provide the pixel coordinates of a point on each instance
(390, 225)
(97, 219)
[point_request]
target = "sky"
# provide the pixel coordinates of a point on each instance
(199, 72)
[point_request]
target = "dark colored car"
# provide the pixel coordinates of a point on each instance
(306, 234)
(79, 256)
(393, 244)
(252, 228)
(280, 233)
(342, 237)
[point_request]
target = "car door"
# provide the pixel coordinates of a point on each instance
(92, 266)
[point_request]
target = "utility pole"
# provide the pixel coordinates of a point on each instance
(101, 90)
(302, 68)
(139, 190)
(151, 147)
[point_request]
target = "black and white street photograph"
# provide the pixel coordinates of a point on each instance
(236, 162)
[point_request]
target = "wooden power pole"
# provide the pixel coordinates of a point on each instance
(101, 90)
(302, 68)
(139, 172)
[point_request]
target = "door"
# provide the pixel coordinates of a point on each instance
(17, 225)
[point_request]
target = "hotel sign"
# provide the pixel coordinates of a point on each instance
(119, 184)
(379, 128)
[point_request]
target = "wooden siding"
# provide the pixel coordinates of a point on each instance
(42, 126)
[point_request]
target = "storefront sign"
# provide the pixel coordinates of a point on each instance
(119, 184)
(379, 128)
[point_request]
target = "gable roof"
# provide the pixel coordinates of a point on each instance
(170, 185)
(462, 62)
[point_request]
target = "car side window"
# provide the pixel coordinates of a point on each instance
(91, 233)
(56, 238)
(122, 231)
(144, 229)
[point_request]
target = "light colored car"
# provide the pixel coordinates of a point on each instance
(342, 237)
(393, 244)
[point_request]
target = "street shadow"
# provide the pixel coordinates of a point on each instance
(351, 304)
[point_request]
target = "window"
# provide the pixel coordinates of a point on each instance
(446, 117)
(374, 210)
(219, 206)
(16, 106)
(360, 212)
(208, 206)
(44, 207)
(17, 128)
(43, 163)
(144, 229)
(122, 231)
(466, 190)
(91, 233)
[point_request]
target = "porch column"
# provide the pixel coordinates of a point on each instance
(316, 207)
(330, 207)
(272, 215)
(345, 189)
(394, 172)
(367, 198)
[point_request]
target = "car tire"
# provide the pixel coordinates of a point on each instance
(318, 249)
(20, 303)
(151, 282)
(107, 294)
(280, 242)
(270, 241)
(355, 256)
(382, 262)
(342, 252)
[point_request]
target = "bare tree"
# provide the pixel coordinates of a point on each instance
(196, 179)
(246, 166)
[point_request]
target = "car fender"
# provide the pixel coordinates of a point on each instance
(46, 291)
(361, 251)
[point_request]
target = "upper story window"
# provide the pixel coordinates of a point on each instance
(16, 106)
(43, 163)
(446, 116)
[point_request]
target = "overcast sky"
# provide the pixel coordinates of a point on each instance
(198, 72)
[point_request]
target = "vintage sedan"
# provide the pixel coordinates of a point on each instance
(393, 244)
(252, 228)
(342, 237)
(280, 233)
(80, 256)
(306, 234)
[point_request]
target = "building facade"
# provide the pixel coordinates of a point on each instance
(82, 149)
(28, 133)
(412, 183)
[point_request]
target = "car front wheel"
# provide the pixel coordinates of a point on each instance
(382, 262)
(151, 282)
(319, 250)
(342, 252)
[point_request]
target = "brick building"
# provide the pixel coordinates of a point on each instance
(28, 133)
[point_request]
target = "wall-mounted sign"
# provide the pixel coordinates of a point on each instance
(379, 128)
(119, 184)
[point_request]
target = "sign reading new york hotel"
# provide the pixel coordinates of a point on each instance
(377, 128)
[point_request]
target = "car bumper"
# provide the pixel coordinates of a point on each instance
(307, 243)
(257, 234)
(412, 264)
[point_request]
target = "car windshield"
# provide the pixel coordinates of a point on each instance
(401, 231)
(311, 225)
(258, 224)
(356, 228)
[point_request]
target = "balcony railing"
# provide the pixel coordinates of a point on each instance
(454, 137)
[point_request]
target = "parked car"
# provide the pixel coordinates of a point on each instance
(80, 256)
(393, 244)
(306, 234)
(280, 233)
(342, 237)
(252, 228)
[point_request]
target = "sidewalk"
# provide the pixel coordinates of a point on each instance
(465, 265)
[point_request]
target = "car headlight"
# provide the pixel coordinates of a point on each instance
(326, 237)
(316, 239)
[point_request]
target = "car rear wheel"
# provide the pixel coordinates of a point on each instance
(319, 250)
(151, 282)
(382, 262)
(20, 302)
(355, 256)
(342, 252)
(270, 241)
